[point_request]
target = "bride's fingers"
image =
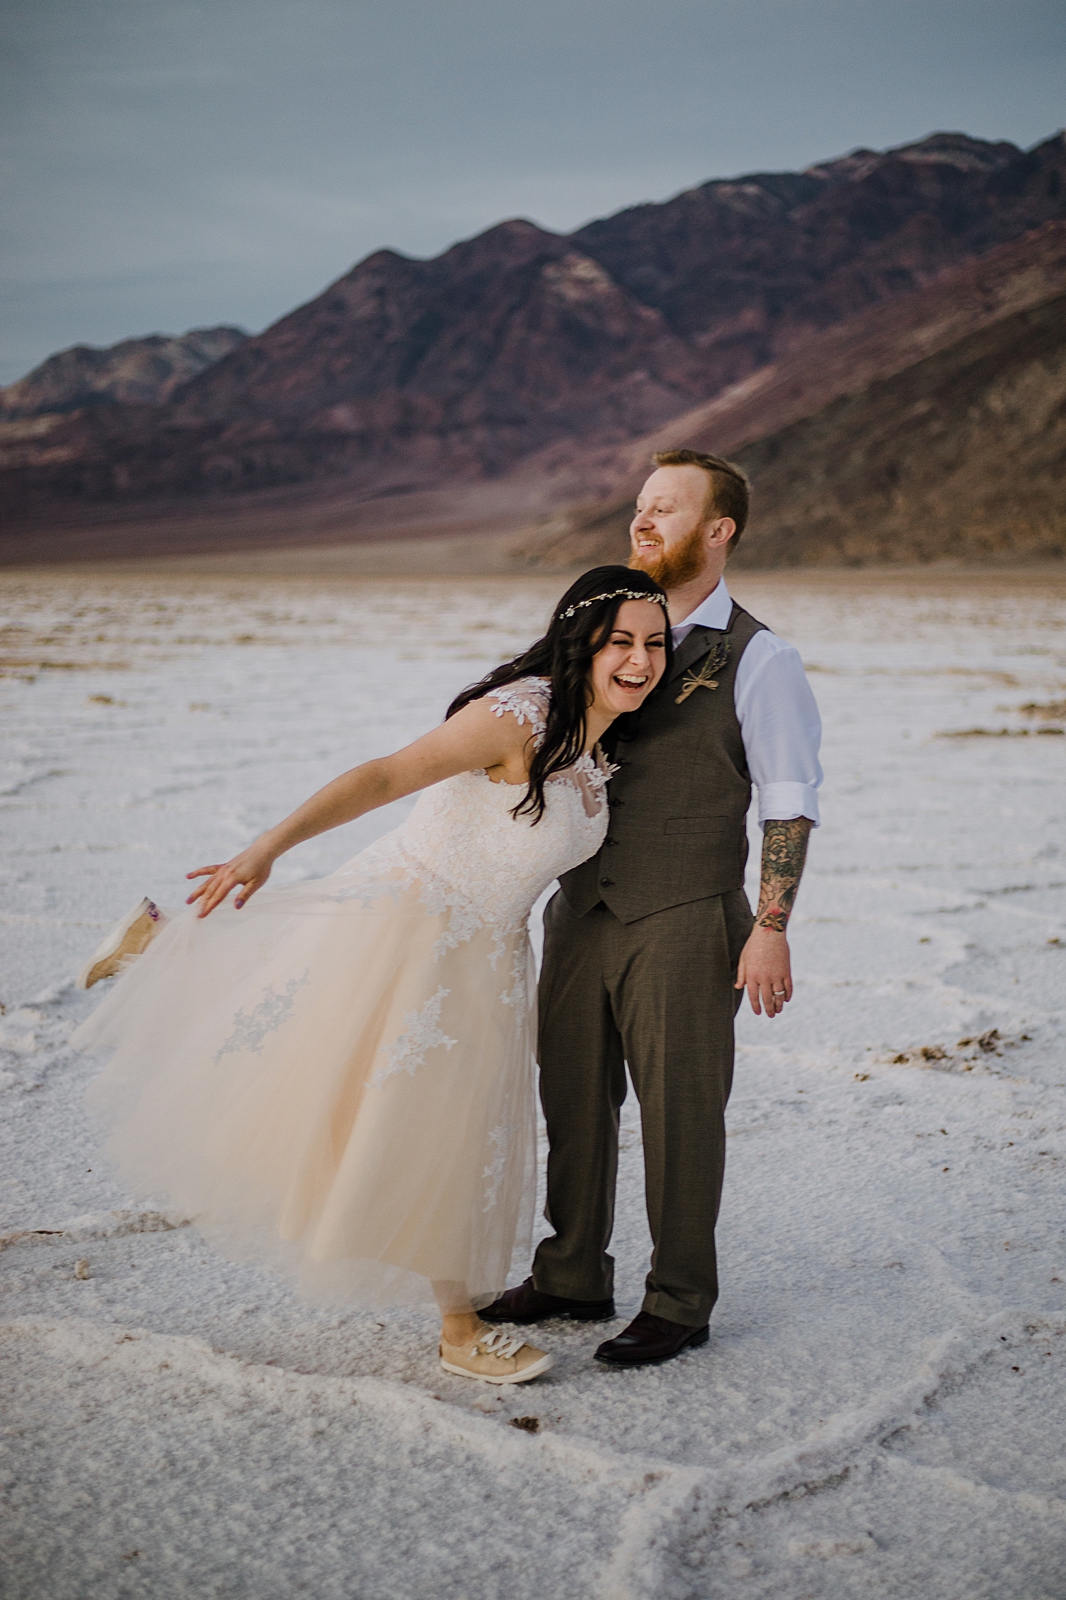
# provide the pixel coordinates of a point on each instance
(221, 880)
(204, 889)
(216, 890)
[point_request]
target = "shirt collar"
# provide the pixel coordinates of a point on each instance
(714, 612)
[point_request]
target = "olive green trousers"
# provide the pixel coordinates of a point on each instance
(656, 995)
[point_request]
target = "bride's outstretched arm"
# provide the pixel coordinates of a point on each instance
(474, 738)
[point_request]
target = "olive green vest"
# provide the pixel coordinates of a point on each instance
(679, 800)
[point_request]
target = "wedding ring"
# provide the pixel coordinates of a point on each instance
(777, 993)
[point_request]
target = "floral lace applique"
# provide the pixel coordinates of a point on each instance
(527, 700)
(493, 1173)
(590, 778)
(518, 994)
(465, 916)
(599, 773)
(422, 1033)
(250, 1028)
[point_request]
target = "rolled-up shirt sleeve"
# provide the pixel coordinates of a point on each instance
(781, 729)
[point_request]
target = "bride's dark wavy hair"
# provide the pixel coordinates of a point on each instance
(564, 656)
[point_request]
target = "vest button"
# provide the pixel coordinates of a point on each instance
(610, 841)
(606, 883)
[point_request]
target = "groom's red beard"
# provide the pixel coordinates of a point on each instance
(673, 568)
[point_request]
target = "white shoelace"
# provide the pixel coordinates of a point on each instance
(501, 1345)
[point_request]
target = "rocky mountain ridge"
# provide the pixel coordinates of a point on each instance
(134, 372)
(405, 374)
(724, 316)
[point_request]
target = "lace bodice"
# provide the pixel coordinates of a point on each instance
(473, 856)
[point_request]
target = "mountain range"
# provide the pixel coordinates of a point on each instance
(543, 367)
(136, 371)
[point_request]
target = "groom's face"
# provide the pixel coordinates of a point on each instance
(669, 534)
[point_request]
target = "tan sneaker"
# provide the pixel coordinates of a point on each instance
(127, 940)
(495, 1358)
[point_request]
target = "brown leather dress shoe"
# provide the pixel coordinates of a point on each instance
(649, 1339)
(526, 1304)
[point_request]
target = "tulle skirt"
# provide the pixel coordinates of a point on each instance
(339, 1086)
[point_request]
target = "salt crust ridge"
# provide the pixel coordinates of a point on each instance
(115, 1225)
(667, 1505)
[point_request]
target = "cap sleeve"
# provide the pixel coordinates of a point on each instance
(527, 700)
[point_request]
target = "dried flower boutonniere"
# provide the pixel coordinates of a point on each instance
(705, 678)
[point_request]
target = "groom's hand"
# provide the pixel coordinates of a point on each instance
(765, 970)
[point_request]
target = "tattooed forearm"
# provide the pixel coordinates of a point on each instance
(784, 850)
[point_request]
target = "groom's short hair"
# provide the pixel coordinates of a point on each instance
(728, 494)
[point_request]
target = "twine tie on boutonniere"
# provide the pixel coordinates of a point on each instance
(705, 678)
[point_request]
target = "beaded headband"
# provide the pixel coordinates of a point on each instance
(613, 594)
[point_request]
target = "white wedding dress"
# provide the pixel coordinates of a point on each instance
(339, 1078)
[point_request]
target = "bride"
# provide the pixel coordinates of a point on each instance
(336, 1077)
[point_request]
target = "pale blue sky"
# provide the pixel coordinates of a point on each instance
(171, 163)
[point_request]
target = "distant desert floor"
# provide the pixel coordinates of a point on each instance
(882, 1404)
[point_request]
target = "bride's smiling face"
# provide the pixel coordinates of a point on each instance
(626, 668)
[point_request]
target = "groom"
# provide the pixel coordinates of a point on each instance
(650, 945)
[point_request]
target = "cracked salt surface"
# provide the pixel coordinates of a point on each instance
(881, 1406)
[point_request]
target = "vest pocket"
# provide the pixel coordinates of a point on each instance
(719, 824)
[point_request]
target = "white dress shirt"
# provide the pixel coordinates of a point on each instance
(779, 721)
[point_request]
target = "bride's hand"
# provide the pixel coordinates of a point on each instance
(250, 870)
